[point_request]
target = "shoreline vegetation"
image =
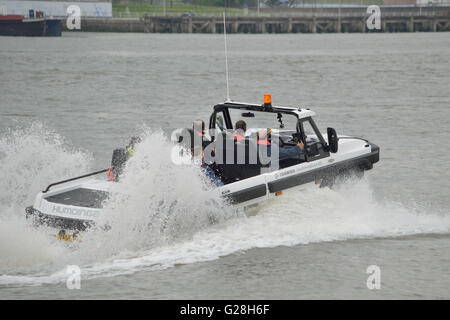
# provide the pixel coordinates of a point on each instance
(152, 16)
(138, 9)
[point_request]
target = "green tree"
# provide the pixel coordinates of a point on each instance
(273, 3)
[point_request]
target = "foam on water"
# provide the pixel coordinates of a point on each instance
(156, 201)
(30, 158)
(162, 214)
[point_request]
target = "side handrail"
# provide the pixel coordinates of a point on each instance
(72, 179)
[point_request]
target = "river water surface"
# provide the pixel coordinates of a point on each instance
(66, 103)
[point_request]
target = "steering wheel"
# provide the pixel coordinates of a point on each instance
(296, 137)
(311, 145)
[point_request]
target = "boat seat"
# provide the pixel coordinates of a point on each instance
(243, 166)
(189, 142)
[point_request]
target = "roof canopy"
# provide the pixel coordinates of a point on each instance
(299, 113)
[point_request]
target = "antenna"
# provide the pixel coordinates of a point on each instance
(226, 55)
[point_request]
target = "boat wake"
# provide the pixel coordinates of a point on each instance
(163, 215)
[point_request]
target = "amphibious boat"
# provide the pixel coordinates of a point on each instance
(245, 183)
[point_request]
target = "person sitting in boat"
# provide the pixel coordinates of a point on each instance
(240, 127)
(208, 169)
(198, 128)
(131, 145)
(120, 157)
(264, 140)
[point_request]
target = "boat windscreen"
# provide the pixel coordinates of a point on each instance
(263, 120)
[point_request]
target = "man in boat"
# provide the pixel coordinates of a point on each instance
(131, 145)
(120, 157)
(199, 127)
(240, 127)
(199, 137)
(264, 141)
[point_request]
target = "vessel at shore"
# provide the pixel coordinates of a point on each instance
(17, 25)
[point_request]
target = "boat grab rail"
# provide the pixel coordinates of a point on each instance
(72, 179)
